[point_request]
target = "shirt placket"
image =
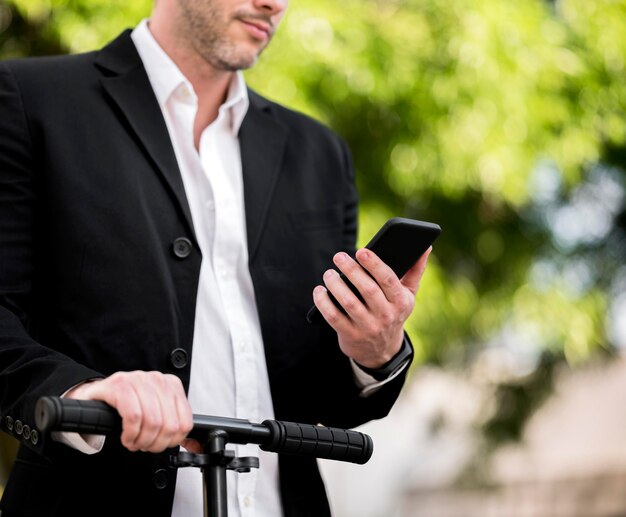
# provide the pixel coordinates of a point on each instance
(225, 326)
(228, 253)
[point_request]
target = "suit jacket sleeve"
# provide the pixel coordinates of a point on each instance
(344, 406)
(27, 369)
(312, 215)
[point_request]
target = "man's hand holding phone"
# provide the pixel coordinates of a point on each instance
(369, 302)
(371, 330)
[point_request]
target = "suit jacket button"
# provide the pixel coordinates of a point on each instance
(178, 358)
(182, 247)
(160, 479)
(8, 422)
(26, 432)
(34, 437)
(19, 427)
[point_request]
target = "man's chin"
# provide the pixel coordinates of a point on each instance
(241, 63)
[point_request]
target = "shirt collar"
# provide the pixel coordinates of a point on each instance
(237, 101)
(166, 78)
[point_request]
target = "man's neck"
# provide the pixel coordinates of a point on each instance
(210, 84)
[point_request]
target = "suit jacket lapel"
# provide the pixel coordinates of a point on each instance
(262, 142)
(127, 83)
(262, 138)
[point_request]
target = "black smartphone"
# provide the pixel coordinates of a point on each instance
(399, 243)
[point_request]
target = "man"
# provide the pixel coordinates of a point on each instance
(162, 228)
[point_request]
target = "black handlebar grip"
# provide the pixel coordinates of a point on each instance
(319, 441)
(96, 417)
(80, 416)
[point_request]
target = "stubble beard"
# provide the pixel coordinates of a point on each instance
(204, 27)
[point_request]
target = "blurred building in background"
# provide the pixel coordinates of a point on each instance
(430, 458)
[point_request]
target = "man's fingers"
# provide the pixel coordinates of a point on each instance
(382, 273)
(153, 406)
(366, 285)
(192, 445)
(140, 410)
(326, 306)
(411, 280)
(159, 413)
(183, 410)
(177, 416)
(167, 416)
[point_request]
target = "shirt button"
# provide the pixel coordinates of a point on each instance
(182, 93)
(178, 358)
(182, 247)
(246, 501)
(160, 479)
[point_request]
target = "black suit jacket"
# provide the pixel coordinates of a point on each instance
(91, 204)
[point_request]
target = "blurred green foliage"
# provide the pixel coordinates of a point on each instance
(501, 121)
